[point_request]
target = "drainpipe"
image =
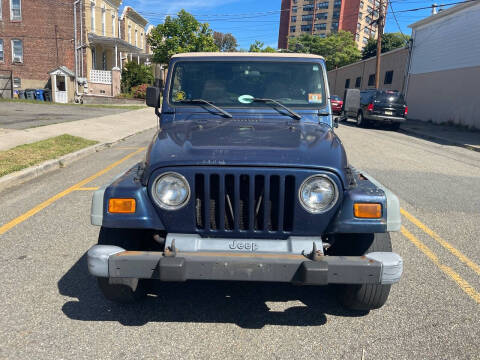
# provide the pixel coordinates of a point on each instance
(75, 43)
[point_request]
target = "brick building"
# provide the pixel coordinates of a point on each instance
(323, 17)
(34, 40)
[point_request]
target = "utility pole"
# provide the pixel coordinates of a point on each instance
(380, 23)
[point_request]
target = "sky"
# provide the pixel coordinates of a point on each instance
(250, 20)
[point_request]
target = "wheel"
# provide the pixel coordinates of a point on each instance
(395, 126)
(367, 296)
(129, 240)
(361, 122)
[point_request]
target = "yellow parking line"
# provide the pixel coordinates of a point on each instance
(87, 189)
(475, 267)
(463, 284)
(43, 205)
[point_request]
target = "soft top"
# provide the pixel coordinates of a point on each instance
(248, 54)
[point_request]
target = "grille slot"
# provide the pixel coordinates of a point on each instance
(232, 203)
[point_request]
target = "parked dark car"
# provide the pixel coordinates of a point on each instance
(337, 104)
(246, 180)
(377, 106)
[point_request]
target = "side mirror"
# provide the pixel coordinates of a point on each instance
(153, 96)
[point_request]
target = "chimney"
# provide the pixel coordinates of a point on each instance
(434, 9)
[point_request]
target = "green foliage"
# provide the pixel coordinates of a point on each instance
(338, 49)
(390, 41)
(225, 42)
(258, 46)
(178, 35)
(134, 74)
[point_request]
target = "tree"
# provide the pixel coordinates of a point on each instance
(258, 46)
(134, 74)
(390, 41)
(181, 34)
(225, 42)
(338, 49)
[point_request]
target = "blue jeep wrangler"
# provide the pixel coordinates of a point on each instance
(245, 180)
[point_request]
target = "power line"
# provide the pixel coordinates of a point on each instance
(398, 25)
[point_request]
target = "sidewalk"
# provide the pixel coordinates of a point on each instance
(443, 134)
(103, 129)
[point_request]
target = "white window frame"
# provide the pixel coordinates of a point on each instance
(136, 37)
(13, 51)
(104, 21)
(129, 33)
(2, 49)
(113, 25)
(12, 18)
(92, 16)
(0, 10)
(141, 40)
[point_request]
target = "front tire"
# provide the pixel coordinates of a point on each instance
(367, 296)
(129, 240)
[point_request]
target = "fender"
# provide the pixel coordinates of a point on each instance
(127, 185)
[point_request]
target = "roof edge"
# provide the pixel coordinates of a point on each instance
(248, 54)
(443, 14)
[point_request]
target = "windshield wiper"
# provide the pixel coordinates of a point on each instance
(201, 101)
(292, 113)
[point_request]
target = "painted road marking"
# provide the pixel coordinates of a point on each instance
(43, 205)
(464, 285)
(87, 188)
(475, 267)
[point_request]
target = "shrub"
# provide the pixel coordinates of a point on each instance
(140, 91)
(134, 74)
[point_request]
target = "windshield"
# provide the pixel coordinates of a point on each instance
(233, 83)
(336, 98)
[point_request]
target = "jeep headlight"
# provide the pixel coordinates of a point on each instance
(318, 194)
(171, 191)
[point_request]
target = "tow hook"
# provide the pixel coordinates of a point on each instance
(315, 255)
(170, 251)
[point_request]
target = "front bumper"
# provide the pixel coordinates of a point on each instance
(117, 264)
(385, 118)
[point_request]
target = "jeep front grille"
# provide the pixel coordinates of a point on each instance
(229, 203)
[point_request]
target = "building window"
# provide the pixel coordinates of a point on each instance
(366, 30)
(322, 26)
(92, 16)
(17, 83)
(347, 83)
(113, 25)
(294, 9)
(104, 60)
(365, 40)
(322, 5)
(308, 17)
(15, 10)
(321, 16)
(371, 80)
(357, 37)
(388, 77)
(306, 28)
(17, 51)
(358, 82)
(104, 20)
(308, 7)
(293, 19)
(359, 26)
(362, 4)
(94, 59)
(136, 37)
(322, 35)
(368, 20)
(0, 10)
(141, 40)
(337, 4)
(129, 34)
(2, 56)
(334, 27)
(336, 15)
(293, 28)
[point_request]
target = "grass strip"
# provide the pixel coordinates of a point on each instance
(26, 155)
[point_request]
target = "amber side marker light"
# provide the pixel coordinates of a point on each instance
(121, 206)
(367, 210)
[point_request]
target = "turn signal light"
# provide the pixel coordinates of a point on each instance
(121, 206)
(367, 210)
(370, 107)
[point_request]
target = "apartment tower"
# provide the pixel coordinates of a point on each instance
(323, 17)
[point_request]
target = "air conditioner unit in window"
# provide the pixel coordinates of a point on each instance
(17, 59)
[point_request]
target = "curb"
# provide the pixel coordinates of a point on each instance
(436, 138)
(33, 172)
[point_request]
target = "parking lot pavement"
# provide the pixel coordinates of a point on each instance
(19, 116)
(51, 308)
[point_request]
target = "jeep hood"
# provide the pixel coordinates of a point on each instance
(262, 143)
